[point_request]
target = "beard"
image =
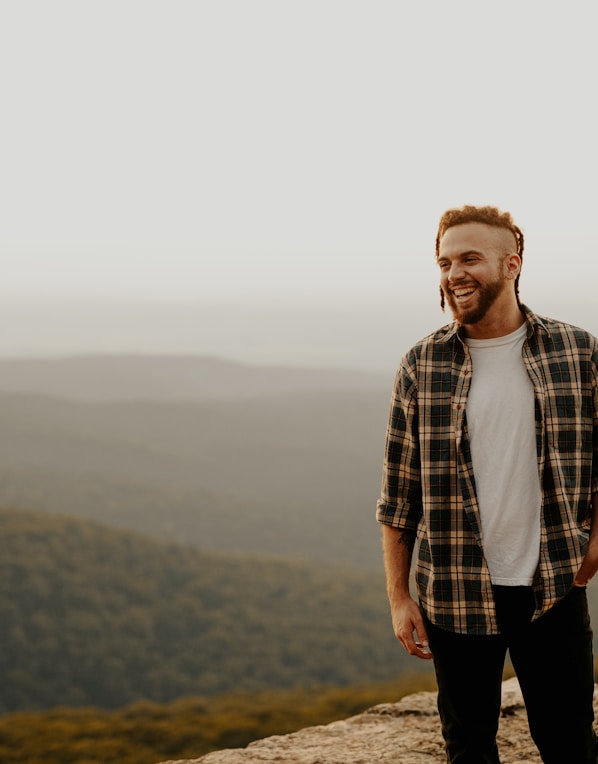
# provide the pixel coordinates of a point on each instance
(486, 294)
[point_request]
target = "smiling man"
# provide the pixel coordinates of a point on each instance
(491, 466)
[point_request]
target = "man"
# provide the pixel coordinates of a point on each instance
(491, 464)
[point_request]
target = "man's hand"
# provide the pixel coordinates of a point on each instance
(589, 566)
(409, 628)
(407, 619)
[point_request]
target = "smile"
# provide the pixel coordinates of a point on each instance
(464, 293)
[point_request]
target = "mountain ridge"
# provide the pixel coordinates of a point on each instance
(169, 377)
(297, 474)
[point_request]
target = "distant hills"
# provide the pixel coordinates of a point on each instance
(269, 461)
(159, 378)
(96, 616)
(254, 489)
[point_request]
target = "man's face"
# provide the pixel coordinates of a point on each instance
(474, 274)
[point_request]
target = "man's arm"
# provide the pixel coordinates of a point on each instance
(589, 565)
(407, 619)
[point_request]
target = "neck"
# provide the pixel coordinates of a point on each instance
(497, 323)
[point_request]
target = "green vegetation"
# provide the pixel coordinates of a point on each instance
(145, 733)
(101, 617)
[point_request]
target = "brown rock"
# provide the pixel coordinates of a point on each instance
(406, 732)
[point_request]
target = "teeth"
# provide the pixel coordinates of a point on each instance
(463, 292)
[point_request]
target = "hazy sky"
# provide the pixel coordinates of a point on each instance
(166, 148)
(299, 148)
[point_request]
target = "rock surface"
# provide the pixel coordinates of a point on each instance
(406, 732)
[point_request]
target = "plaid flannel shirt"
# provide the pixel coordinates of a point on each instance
(428, 484)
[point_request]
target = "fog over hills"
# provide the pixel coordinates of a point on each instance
(269, 441)
(353, 332)
(157, 378)
(293, 469)
(369, 332)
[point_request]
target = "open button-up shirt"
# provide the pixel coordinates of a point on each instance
(428, 485)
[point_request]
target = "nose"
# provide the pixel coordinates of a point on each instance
(455, 272)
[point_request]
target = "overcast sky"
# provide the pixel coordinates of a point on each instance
(179, 149)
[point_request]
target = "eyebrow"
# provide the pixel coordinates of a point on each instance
(461, 254)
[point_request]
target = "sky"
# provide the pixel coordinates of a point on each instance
(246, 151)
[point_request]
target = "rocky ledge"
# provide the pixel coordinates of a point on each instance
(407, 731)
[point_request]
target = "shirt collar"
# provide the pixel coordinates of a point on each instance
(533, 321)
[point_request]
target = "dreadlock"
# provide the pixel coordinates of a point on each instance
(489, 216)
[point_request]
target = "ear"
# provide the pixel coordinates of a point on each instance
(512, 266)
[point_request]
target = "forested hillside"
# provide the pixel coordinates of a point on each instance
(96, 616)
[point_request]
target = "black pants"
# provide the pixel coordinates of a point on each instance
(553, 660)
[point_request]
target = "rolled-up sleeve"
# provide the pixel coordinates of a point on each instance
(400, 503)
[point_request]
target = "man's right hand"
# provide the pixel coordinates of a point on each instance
(407, 620)
(409, 628)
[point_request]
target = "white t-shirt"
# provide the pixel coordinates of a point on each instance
(502, 433)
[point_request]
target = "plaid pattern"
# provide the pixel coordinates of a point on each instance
(428, 484)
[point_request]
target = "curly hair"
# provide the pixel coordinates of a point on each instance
(489, 216)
